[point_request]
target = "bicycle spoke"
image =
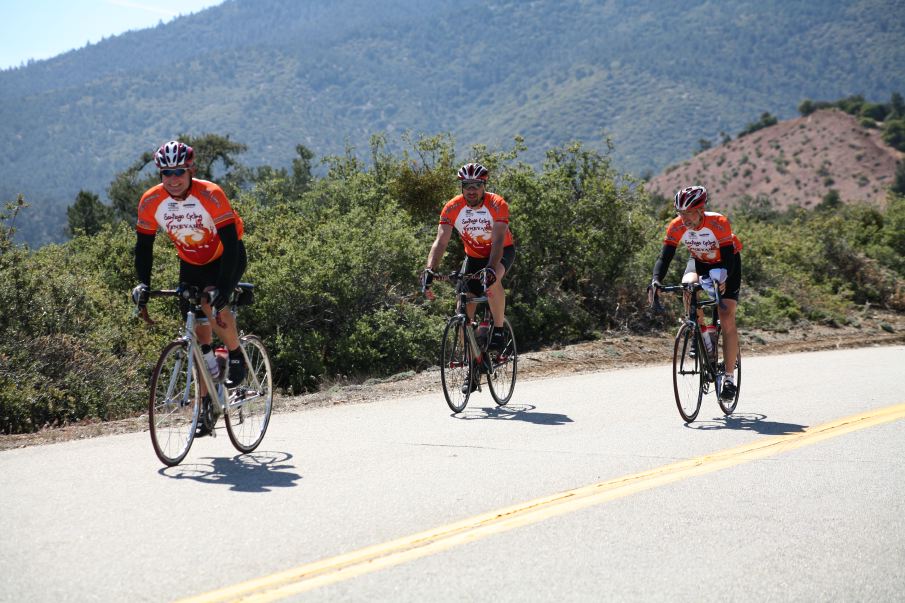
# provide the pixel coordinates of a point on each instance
(504, 367)
(249, 406)
(455, 365)
(688, 375)
(173, 405)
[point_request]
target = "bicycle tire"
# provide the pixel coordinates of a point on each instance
(687, 373)
(173, 406)
(455, 365)
(503, 367)
(728, 406)
(250, 405)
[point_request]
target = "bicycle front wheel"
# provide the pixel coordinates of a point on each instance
(249, 405)
(455, 365)
(503, 367)
(728, 406)
(687, 374)
(174, 405)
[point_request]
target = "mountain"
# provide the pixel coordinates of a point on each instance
(653, 75)
(795, 162)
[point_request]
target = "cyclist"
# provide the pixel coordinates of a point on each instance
(714, 251)
(482, 221)
(207, 234)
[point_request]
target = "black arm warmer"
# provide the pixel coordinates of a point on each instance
(663, 262)
(230, 239)
(144, 257)
(727, 258)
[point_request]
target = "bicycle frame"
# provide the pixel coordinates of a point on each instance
(712, 359)
(462, 301)
(216, 389)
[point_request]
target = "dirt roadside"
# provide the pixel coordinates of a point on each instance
(612, 351)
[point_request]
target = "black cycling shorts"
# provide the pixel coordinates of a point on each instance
(207, 275)
(733, 281)
(472, 265)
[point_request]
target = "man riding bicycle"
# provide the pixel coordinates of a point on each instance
(714, 251)
(207, 234)
(482, 221)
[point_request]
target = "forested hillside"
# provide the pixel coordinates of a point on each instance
(655, 76)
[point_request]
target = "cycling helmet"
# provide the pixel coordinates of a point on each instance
(473, 172)
(174, 154)
(690, 197)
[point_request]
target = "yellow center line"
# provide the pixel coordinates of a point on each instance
(342, 567)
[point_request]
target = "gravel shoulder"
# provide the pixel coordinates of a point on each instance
(613, 350)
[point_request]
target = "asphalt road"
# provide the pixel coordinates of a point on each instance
(587, 487)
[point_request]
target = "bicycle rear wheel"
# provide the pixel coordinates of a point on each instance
(687, 374)
(174, 405)
(455, 365)
(249, 405)
(728, 406)
(503, 367)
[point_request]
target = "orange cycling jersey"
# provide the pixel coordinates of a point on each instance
(703, 243)
(476, 224)
(191, 224)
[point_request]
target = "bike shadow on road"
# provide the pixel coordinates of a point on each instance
(513, 412)
(749, 422)
(259, 471)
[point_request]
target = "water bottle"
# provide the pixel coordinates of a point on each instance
(708, 334)
(210, 359)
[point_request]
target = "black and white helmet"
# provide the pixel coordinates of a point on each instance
(174, 154)
(690, 197)
(473, 172)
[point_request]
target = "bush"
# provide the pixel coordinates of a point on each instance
(894, 133)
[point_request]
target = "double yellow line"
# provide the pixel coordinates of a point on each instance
(342, 567)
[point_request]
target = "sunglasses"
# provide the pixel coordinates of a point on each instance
(472, 186)
(175, 172)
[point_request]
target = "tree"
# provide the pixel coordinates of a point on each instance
(874, 111)
(898, 185)
(806, 107)
(766, 120)
(301, 169)
(896, 106)
(88, 215)
(831, 201)
(894, 133)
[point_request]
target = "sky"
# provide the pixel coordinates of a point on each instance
(40, 29)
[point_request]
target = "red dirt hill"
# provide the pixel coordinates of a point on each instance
(794, 162)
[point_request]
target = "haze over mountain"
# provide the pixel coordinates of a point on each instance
(656, 76)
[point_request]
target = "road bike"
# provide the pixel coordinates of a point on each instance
(695, 369)
(175, 407)
(465, 350)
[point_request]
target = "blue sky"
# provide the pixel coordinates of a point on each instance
(40, 29)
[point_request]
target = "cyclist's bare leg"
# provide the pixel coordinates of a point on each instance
(496, 298)
(691, 277)
(205, 337)
(730, 332)
(228, 333)
(224, 326)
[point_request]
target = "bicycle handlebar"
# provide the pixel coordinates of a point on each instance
(480, 275)
(689, 287)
